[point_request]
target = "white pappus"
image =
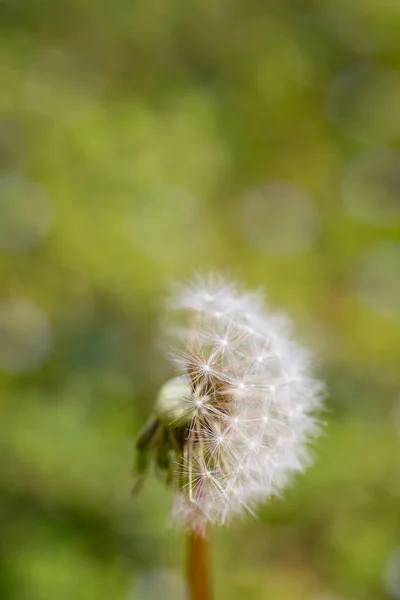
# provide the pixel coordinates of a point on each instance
(233, 427)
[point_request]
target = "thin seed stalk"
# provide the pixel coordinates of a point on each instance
(198, 566)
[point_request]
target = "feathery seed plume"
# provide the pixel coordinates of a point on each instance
(233, 427)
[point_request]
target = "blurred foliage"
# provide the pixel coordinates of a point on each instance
(140, 141)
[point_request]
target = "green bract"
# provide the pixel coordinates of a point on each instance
(163, 436)
(173, 407)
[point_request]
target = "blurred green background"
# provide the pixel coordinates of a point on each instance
(140, 141)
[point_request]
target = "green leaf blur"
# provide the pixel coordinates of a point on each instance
(139, 142)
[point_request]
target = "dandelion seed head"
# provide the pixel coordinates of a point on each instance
(248, 402)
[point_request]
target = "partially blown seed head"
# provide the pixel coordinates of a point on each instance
(241, 411)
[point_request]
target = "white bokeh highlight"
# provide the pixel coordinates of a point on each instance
(25, 214)
(377, 279)
(25, 336)
(279, 219)
(371, 187)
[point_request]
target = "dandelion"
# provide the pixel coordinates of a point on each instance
(232, 428)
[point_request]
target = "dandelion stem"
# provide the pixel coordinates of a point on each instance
(198, 565)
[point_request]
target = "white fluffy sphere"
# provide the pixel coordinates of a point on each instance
(247, 397)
